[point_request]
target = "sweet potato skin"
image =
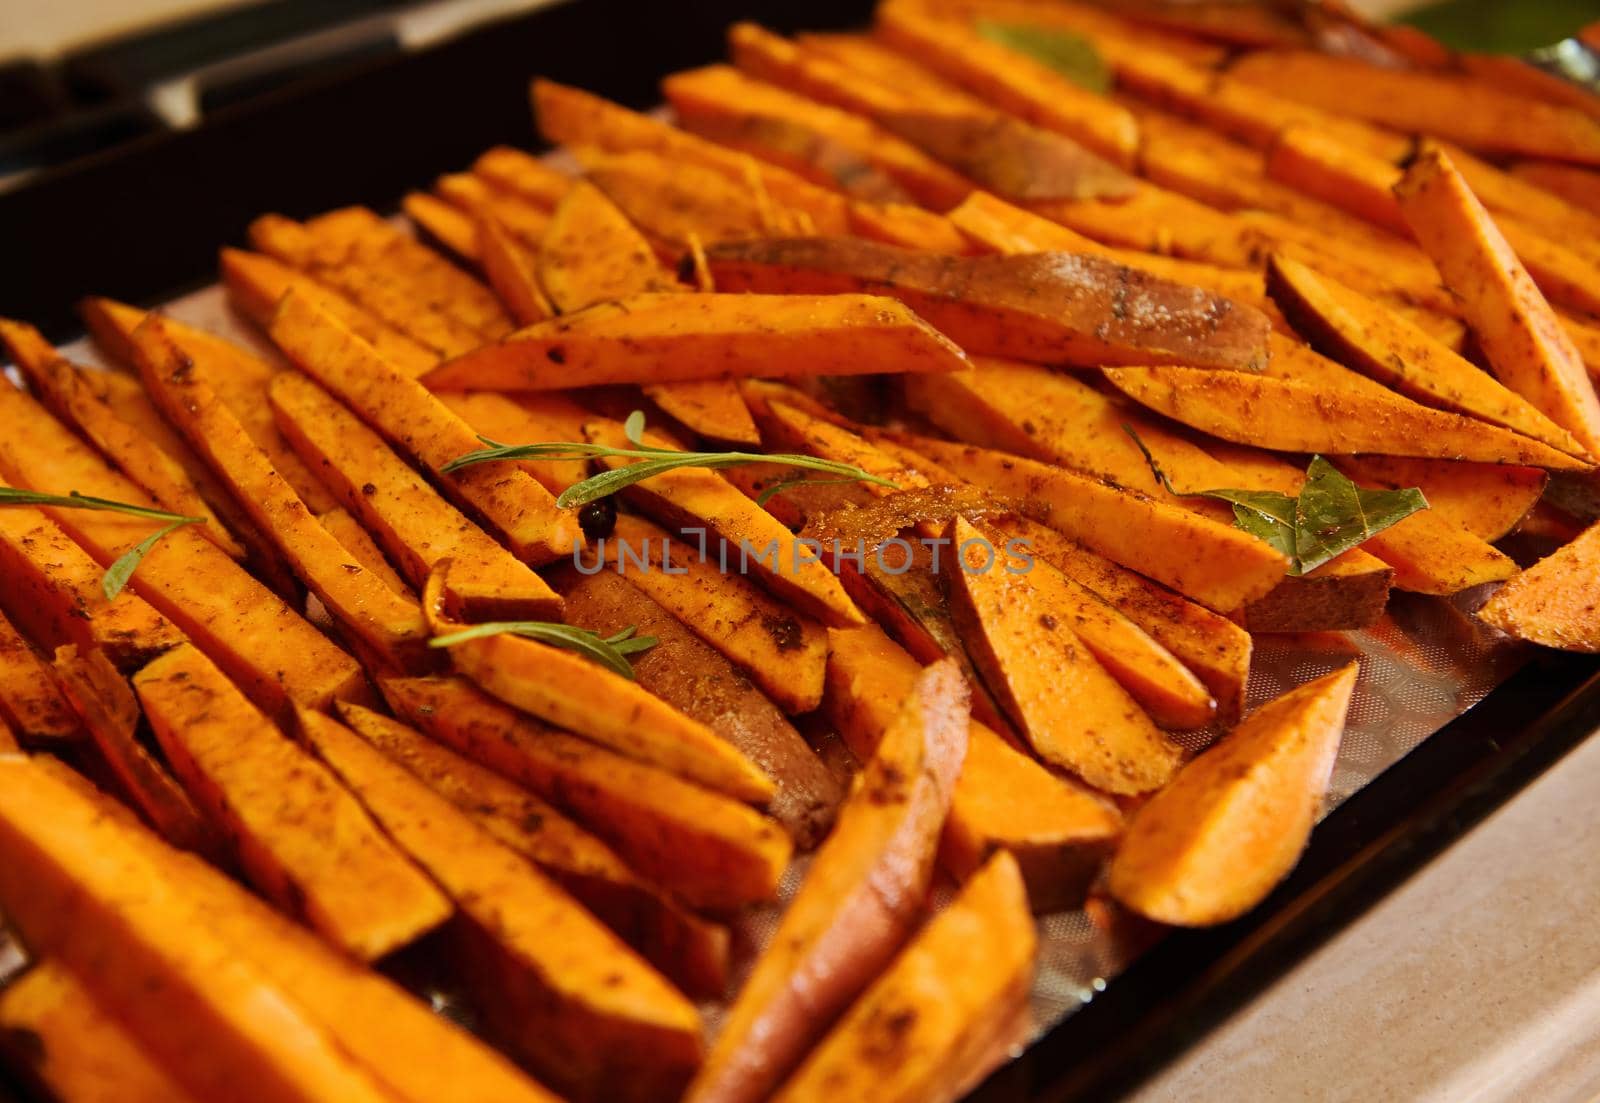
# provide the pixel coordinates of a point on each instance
(1212, 844)
(1049, 308)
(1552, 602)
(861, 896)
(941, 1014)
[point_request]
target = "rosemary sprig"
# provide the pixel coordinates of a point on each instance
(610, 652)
(651, 461)
(121, 570)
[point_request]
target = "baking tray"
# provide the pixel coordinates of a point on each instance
(142, 223)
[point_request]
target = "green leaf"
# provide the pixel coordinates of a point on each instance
(1330, 515)
(115, 580)
(651, 461)
(1071, 55)
(610, 652)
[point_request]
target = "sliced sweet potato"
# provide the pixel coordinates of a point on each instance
(691, 951)
(873, 63)
(1320, 165)
(1521, 337)
(448, 225)
(516, 505)
(1215, 564)
(944, 1013)
(508, 267)
(568, 995)
(61, 386)
(1451, 106)
(388, 625)
(702, 500)
(1578, 187)
(1058, 831)
(474, 197)
(415, 526)
(268, 648)
(907, 226)
(31, 702)
(818, 140)
(1012, 81)
(70, 1044)
(1359, 332)
(237, 375)
(257, 283)
(675, 203)
(52, 589)
(567, 116)
(1305, 419)
(1488, 500)
(526, 419)
(78, 889)
(1050, 308)
(710, 850)
(858, 902)
(1552, 602)
(698, 681)
(110, 714)
(1018, 629)
(303, 840)
(522, 173)
(674, 338)
(357, 541)
(1232, 824)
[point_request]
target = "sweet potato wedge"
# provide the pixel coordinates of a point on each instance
(415, 526)
(257, 283)
(591, 254)
(388, 625)
(110, 714)
(908, 227)
(1460, 109)
(522, 173)
(70, 1045)
(1050, 308)
(447, 224)
(1521, 336)
(301, 838)
(1012, 81)
(526, 419)
(1220, 567)
(568, 995)
(1232, 824)
(1578, 187)
(710, 850)
(675, 203)
(575, 693)
(61, 386)
(858, 902)
(76, 886)
(703, 501)
(1058, 831)
(674, 338)
(472, 196)
(367, 1016)
(694, 678)
(1488, 500)
(1018, 628)
(928, 1027)
(508, 267)
(567, 116)
(1356, 331)
(358, 543)
(692, 952)
(516, 505)
(1308, 420)
(51, 588)
(31, 702)
(237, 375)
(1552, 602)
(268, 648)
(838, 148)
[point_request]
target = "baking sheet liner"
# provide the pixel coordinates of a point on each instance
(1423, 665)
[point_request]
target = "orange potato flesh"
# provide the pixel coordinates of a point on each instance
(676, 203)
(471, 195)
(508, 267)
(1552, 602)
(859, 900)
(450, 226)
(1232, 824)
(526, 419)
(563, 991)
(521, 173)
(303, 841)
(357, 541)
(1579, 187)
(31, 703)
(1488, 500)
(710, 850)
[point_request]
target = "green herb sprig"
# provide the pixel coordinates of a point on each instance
(1071, 55)
(1329, 516)
(651, 461)
(121, 570)
(610, 652)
